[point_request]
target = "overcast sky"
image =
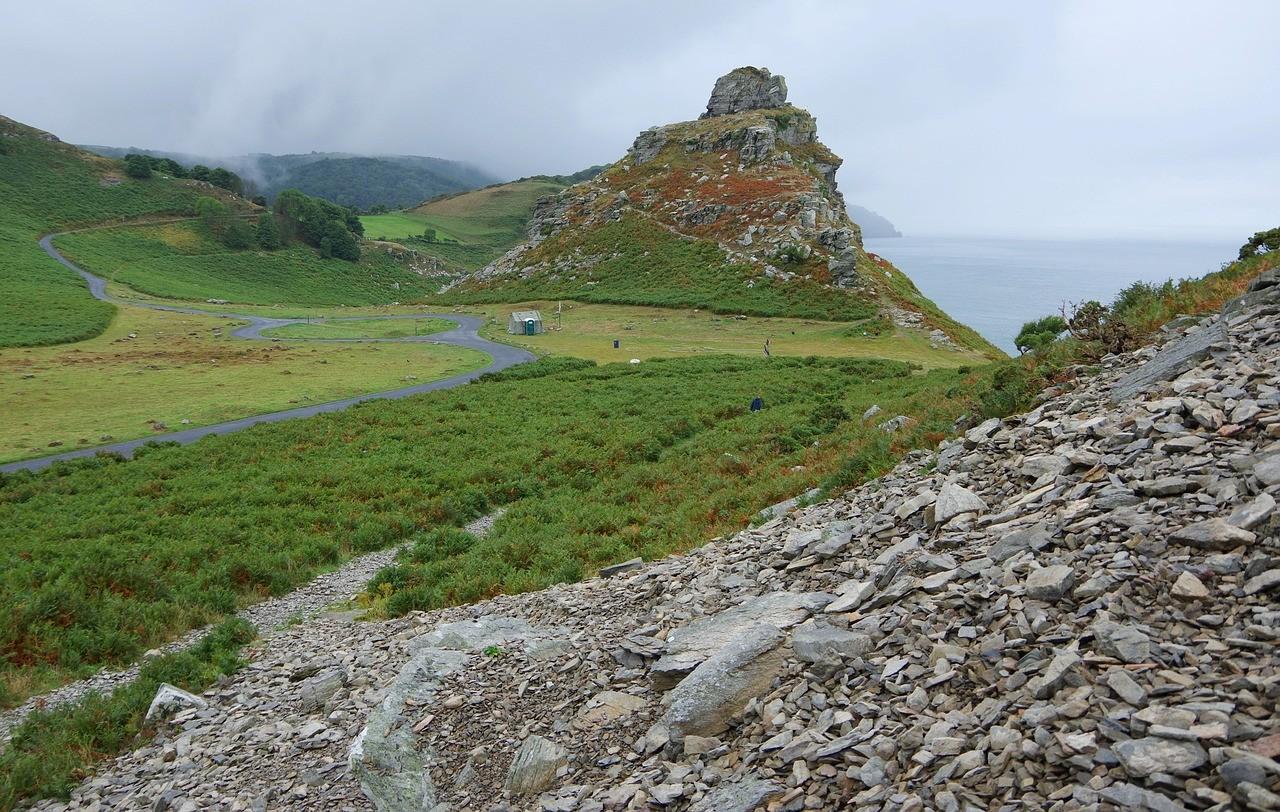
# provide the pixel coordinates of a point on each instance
(1109, 118)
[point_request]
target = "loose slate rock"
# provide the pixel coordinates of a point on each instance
(1143, 757)
(1213, 534)
(1050, 583)
(954, 500)
(535, 765)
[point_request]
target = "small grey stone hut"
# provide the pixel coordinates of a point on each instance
(524, 323)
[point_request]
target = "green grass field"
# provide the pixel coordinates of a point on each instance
(179, 261)
(106, 559)
(46, 186)
(485, 223)
(181, 367)
(397, 225)
(588, 331)
(362, 328)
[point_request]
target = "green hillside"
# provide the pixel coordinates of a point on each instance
(472, 228)
(45, 186)
(180, 261)
(634, 460)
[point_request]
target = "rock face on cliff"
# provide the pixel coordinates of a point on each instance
(740, 201)
(1077, 608)
(746, 89)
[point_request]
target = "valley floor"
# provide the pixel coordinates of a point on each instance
(1070, 609)
(154, 372)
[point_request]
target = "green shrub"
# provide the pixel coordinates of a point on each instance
(1036, 335)
(137, 166)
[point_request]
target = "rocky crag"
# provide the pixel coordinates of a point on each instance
(750, 178)
(1075, 608)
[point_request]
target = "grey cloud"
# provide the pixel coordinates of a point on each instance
(1092, 118)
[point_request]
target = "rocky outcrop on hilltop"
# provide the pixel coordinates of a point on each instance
(1075, 608)
(760, 184)
(749, 177)
(746, 89)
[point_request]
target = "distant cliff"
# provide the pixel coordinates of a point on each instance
(873, 225)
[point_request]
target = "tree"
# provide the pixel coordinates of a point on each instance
(200, 172)
(268, 234)
(1261, 242)
(225, 179)
(238, 235)
(1036, 335)
(327, 226)
(1096, 325)
(429, 234)
(137, 166)
(213, 213)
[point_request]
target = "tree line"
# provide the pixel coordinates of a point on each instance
(333, 230)
(144, 166)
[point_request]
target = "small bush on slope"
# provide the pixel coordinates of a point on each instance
(51, 751)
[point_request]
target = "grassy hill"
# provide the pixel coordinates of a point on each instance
(180, 261)
(46, 186)
(472, 228)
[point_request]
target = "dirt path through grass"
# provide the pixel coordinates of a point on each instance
(465, 334)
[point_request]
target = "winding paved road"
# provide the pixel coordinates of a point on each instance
(464, 335)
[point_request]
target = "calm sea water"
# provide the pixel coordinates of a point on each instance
(994, 285)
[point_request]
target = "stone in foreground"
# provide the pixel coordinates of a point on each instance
(721, 687)
(1143, 757)
(535, 766)
(170, 699)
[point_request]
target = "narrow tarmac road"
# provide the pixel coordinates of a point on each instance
(464, 335)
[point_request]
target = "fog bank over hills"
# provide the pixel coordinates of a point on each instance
(346, 178)
(991, 118)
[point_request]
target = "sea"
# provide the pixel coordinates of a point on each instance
(994, 285)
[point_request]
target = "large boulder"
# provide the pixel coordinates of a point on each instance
(746, 89)
(385, 758)
(535, 766)
(170, 699)
(689, 645)
(706, 700)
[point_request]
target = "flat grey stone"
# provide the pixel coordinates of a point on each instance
(535, 765)
(954, 500)
(170, 699)
(818, 642)
(1028, 538)
(1050, 583)
(1121, 641)
(746, 795)
(1251, 514)
(1213, 534)
(1143, 757)
(625, 566)
(1175, 358)
(689, 645)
